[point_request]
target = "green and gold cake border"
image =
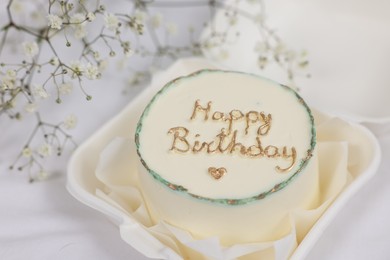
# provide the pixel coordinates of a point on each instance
(225, 201)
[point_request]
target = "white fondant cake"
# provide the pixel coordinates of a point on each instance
(227, 154)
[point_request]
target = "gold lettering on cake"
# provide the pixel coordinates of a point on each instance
(226, 141)
(198, 107)
(251, 118)
(179, 139)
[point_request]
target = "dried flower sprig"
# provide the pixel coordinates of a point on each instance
(96, 35)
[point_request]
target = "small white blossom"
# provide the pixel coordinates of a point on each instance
(55, 61)
(55, 22)
(91, 71)
(78, 23)
(27, 152)
(262, 62)
(91, 16)
(40, 91)
(129, 53)
(140, 16)
(191, 29)
(261, 47)
(233, 20)
(171, 28)
(30, 49)
(8, 83)
(259, 18)
(96, 55)
(11, 73)
(42, 175)
(65, 88)
(77, 19)
(103, 65)
(77, 68)
(223, 55)
(280, 49)
(38, 18)
(80, 32)
(111, 21)
(45, 150)
(156, 20)
(70, 122)
(122, 63)
(30, 107)
(17, 7)
(291, 55)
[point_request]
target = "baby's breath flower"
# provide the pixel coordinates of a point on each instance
(290, 55)
(55, 61)
(77, 19)
(223, 55)
(30, 107)
(77, 68)
(103, 64)
(259, 18)
(262, 62)
(70, 122)
(65, 88)
(91, 71)
(55, 22)
(261, 47)
(30, 49)
(122, 63)
(91, 16)
(171, 28)
(191, 29)
(40, 91)
(128, 52)
(11, 73)
(78, 23)
(42, 175)
(17, 7)
(96, 55)
(156, 20)
(45, 150)
(280, 49)
(27, 152)
(111, 21)
(140, 16)
(80, 32)
(233, 20)
(8, 83)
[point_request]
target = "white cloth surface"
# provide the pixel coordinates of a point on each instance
(42, 220)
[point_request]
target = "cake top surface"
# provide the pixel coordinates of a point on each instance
(226, 137)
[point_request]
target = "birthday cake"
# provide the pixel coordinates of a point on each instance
(228, 155)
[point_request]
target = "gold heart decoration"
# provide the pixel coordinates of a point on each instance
(217, 173)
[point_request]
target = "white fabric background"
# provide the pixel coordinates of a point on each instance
(42, 221)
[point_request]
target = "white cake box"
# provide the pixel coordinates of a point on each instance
(85, 186)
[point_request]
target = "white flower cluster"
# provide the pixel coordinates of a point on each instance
(78, 22)
(70, 122)
(88, 70)
(111, 21)
(30, 49)
(8, 80)
(39, 91)
(55, 22)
